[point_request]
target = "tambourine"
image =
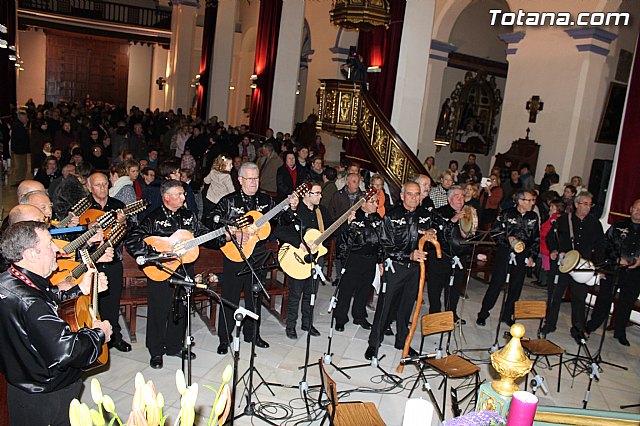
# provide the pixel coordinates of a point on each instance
(517, 246)
(469, 222)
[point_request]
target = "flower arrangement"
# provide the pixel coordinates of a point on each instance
(477, 418)
(147, 406)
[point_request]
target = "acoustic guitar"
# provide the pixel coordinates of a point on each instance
(72, 272)
(261, 228)
(185, 245)
(297, 262)
(76, 211)
(82, 311)
(104, 222)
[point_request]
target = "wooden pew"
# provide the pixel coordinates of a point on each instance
(134, 292)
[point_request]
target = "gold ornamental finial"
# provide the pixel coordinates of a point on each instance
(511, 363)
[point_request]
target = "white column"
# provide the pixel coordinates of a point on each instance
(158, 69)
(220, 65)
(411, 77)
(183, 25)
(285, 83)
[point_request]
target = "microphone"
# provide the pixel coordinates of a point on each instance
(185, 283)
(218, 219)
(416, 358)
(143, 260)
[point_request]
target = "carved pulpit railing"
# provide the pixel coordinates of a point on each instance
(345, 109)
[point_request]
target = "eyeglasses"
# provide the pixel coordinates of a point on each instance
(528, 199)
(586, 204)
(255, 179)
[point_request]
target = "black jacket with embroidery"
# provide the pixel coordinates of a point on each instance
(39, 352)
(588, 237)
(623, 241)
(525, 227)
(362, 237)
(237, 204)
(400, 228)
(162, 222)
(449, 235)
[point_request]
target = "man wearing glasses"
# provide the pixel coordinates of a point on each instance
(308, 215)
(575, 231)
(231, 207)
(513, 225)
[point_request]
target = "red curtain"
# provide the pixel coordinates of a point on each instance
(7, 67)
(265, 64)
(208, 37)
(627, 186)
(381, 47)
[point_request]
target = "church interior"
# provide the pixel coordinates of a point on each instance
(382, 84)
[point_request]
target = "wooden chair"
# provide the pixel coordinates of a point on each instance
(352, 413)
(537, 309)
(448, 366)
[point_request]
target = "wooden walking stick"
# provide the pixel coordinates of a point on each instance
(431, 237)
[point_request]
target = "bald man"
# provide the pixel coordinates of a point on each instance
(38, 199)
(28, 185)
(25, 212)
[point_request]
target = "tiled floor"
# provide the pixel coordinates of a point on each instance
(280, 364)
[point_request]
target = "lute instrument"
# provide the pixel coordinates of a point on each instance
(82, 311)
(431, 237)
(183, 243)
(104, 222)
(71, 272)
(296, 262)
(260, 228)
(76, 211)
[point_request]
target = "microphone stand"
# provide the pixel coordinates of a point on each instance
(327, 358)
(188, 338)
(257, 287)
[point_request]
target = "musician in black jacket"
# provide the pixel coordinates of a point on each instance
(110, 301)
(399, 237)
(295, 223)
(513, 224)
(41, 358)
(230, 207)
(574, 231)
(623, 251)
(447, 273)
(165, 326)
(360, 251)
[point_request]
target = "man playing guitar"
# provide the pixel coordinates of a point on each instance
(231, 207)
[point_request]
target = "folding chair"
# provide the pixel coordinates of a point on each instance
(448, 366)
(537, 309)
(352, 413)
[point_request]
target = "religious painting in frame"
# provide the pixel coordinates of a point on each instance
(611, 118)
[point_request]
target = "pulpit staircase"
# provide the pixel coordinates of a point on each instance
(346, 109)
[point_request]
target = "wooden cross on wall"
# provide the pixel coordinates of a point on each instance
(533, 106)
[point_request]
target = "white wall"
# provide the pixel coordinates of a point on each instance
(32, 47)
(140, 76)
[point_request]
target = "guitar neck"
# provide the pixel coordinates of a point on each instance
(94, 297)
(76, 211)
(64, 223)
(335, 225)
(204, 238)
(80, 241)
(284, 204)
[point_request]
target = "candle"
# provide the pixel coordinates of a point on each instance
(522, 409)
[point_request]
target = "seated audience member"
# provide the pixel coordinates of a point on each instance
(568, 195)
(525, 178)
(121, 184)
(97, 159)
(490, 199)
(545, 183)
(48, 172)
(439, 194)
(453, 168)
(471, 195)
(576, 181)
(315, 173)
(269, 163)
(430, 165)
